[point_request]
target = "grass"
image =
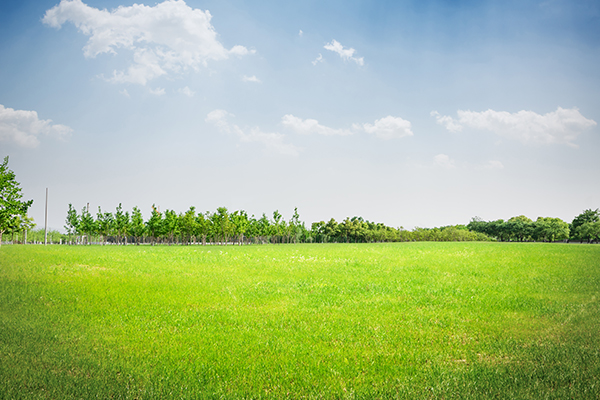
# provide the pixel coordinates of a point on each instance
(402, 320)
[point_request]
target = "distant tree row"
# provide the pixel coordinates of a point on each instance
(237, 227)
(585, 227)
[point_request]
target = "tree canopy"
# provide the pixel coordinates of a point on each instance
(12, 208)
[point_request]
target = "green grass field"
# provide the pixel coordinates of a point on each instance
(401, 320)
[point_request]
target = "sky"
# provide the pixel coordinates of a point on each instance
(411, 113)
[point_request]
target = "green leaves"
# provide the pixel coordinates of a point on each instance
(11, 206)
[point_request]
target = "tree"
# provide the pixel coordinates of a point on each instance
(519, 228)
(154, 224)
(105, 224)
(87, 226)
(589, 231)
(587, 216)
(121, 224)
(72, 221)
(188, 225)
(137, 225)
(11, 205)
(551, 229)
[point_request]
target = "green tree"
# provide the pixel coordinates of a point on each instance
(72, 222)
(550, 229)
(519, 228)
(589, 231)
(170, 225)
(138, 229)
(87, 226)
(105, 224)
(11, 205)
(154, 225)
(586, 216)
(121, 224)
(188, 224)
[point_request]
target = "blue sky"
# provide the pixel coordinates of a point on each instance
(411, 113)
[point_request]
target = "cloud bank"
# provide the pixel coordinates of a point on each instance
(346, 54)
(170, 37)
(272, 141)
(308, 126)
(384, 128)
(24, 127)
(558, 127)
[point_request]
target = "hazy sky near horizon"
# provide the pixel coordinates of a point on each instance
(410, 113)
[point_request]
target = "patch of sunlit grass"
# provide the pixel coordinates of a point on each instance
(403, 320)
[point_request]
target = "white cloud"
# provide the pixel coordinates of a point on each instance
(252, 78)
(157, 91)
(318, 59)
(444, 161)
(494, 164)
(447, 121)
(24, 127)
(300, 33)
(124, 92)
(385, 128)
(388, 128)
(170, 37)
(558, 127)
(272, 141)
(308, 126)
(186, 91)
(346, 54)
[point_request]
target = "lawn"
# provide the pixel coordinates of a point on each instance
(399, 320)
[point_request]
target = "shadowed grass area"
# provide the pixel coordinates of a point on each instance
(400, 320)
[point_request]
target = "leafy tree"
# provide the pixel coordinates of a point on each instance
(72, 222)
(519, 228)
(188, 225)
(138, 229)
(170, 225)
(551, 229)
(585, 217)
(105, 224)
(153, 225)
(589, 231)
(11, 205)
(121, 224)
(240, 223)
(87, 226)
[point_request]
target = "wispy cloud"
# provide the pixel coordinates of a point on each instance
(272, 141)
(385, 128)
(494, 164)
(186, 91)
(169, 38)
(157, 91)
(444, 161)
(346, 54)
(24, 127)
(308, 126)
(558, 127)
(318, 59)
(252, 78)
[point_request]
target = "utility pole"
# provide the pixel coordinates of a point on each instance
(46, 221)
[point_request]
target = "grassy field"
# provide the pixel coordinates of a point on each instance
(402, 320)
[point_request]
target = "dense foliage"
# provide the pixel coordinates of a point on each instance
(12, 209)
(585, 227)
(237, 227)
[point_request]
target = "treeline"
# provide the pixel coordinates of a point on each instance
(584, 227)
(237, 227)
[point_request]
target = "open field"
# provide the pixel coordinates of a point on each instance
(401, 320)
